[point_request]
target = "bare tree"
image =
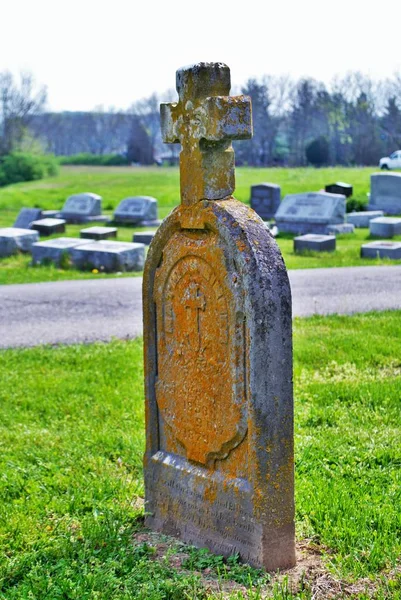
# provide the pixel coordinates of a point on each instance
(19, 102)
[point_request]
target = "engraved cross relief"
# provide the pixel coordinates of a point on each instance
(205, 121)
(194, 303)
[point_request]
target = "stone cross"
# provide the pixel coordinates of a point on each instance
(204, 121)
(218, 351)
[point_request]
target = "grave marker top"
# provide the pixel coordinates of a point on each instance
(218, 349)
(204, 121)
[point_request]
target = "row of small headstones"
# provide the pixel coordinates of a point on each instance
(93, 250)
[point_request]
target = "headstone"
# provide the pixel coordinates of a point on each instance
(109, 256)
(137, 210)
(13, 239)
(143, 237)
(54, 250)
(82, 208)
(340, 228)
(265, 199)
(98, 233)
(362, 218)
(26, 217)
(50, 214)
(340, 187)
(385, 226)
(218, 358)
(315, 242)
(381, 250)
(49, 226)
(310, 212)
(385, 193)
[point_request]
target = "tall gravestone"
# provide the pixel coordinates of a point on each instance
(265, 199)
(218, 350)
(385, 193)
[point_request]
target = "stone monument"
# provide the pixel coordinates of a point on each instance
(137, 210)
(385, 193)
(83, 208)
(265, 199)
(218, 350)
(310, 212)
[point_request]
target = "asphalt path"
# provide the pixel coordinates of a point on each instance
(68, 312)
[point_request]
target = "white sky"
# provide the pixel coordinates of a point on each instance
(111, 53)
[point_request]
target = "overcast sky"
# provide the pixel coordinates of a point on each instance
(111, 53)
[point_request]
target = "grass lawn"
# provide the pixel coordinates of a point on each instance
(115, 183)
(72, 440)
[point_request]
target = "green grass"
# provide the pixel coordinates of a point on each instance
(71, 446)
(115, 183)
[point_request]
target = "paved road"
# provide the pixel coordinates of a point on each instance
(84, 311)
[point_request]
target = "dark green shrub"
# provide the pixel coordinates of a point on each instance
(317, 152)
(85, 158)
(355, 204)
(21, 166)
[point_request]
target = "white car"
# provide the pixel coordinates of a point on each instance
(391, 162)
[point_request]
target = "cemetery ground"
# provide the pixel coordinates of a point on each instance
(115, 183)
(71, 487)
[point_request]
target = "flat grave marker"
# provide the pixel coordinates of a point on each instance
(98, 233)
(13, 239)
(49, 226)
(143, 237)
(217, 342)
(363, 217)
(385, 226)
(109, 256)
(381, 250)
(315, 242)
(54, 250)
(310, 212)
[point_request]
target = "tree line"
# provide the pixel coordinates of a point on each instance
(352, 121)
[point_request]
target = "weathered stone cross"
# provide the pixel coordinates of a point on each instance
(204, 121)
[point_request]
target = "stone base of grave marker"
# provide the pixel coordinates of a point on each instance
(109, 256)
(98, 233)
(54, 250)
(340, 228)
(316, 243)
(217, 327)
(49, 226)
(13, 239)
(363, 218)
(385, 227)
(381, 250)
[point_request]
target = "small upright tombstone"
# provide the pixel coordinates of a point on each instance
(340, 187)
(218, 351)
(310, 212)
(385, 193)
(82, 208)
(26, 217)
(137, 210)
(265, 199)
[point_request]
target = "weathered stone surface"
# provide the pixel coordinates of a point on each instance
(138, 210)
(218, 359)
(109, 256)
(13, 239)
(315, 242)
(362, 219)
(385, 193)
(49, 226)
(381, 250)
(340, 228)
(26, 217)
(310, 212)
(144, 237)
(54, 250)
(385, 226)
(265, 199)
(79, 208)
(98, 233)
(340, 187)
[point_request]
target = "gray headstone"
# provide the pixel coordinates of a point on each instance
(13, 239)
(53, 250)
(109, 256)
(80, 207)
(362, 219)
(26, 217)
(136, 210)
(385, 193)
(98, 233)
(385, 226)
(310, 212)
(49, 226)
(144, 237)
(340, 228)
(381, 250)
(265, 199)
(315, 242)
